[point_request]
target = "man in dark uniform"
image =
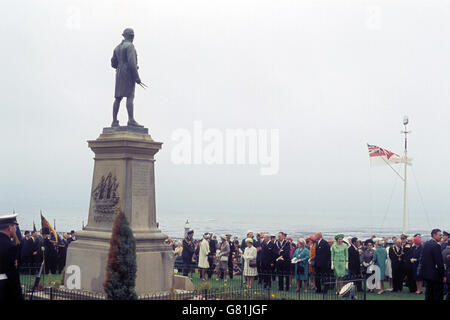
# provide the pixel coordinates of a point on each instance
(188, 252)
(124, 60)
(10, 288)
(431, 267)
(283, 261)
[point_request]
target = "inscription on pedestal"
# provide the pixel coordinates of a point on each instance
(106, 199)
(141, 178)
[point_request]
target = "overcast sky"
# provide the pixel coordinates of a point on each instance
(329, 75)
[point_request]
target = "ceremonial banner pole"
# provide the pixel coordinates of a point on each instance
(405, 132)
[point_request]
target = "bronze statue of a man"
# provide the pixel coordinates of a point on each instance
(124, 60)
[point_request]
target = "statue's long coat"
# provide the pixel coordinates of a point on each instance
(124, 60)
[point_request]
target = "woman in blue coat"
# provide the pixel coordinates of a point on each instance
(379, 258)
(301, 254)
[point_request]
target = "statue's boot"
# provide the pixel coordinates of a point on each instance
(115, 123)
(133, 123)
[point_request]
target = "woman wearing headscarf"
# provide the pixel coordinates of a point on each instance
(388, 272)
(301, 254)
(367, 257)
(379, 258)
(339, 260)
(416, 252)
(250, 268)
(203, 263)
(223, 257)
(312, 256)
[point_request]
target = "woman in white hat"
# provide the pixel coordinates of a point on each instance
(250, 269)
(203, 263)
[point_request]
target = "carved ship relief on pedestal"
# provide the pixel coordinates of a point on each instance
(106, 199)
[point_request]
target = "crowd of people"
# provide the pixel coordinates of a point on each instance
(35, 248)
(404, 261)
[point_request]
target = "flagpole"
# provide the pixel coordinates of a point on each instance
(405, 132)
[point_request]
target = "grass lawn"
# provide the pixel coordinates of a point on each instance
(235, 289)
(27, 280)
(236, 285)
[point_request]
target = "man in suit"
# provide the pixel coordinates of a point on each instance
(322, 263)
(230, 255)
(72, 237)
(37, 249)
(408, 269)
(431, 267)
(445, 236)
(50, 253)
(273, 269)
(62, 253)
(397, 255)
(188, 252)
(211, 255)
(446, 259)
(268, 250)
(27, 250)
(258, 256)
(354, 264)
(283, 261)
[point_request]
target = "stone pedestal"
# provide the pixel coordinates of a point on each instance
(123, 178)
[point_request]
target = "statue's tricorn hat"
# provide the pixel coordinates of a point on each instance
(128, 32)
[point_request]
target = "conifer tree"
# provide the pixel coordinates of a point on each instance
(121, 269)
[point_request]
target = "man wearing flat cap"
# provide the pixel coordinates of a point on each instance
(124, 60)
(9, 276)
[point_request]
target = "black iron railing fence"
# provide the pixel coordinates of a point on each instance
(215, 287)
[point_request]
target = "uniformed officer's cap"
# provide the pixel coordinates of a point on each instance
(8, 220)
(445, 233)
(190, 231)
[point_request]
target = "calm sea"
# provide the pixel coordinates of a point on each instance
(172, 224)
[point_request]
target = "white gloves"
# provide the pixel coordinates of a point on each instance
(346, 265)
(332, 265)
